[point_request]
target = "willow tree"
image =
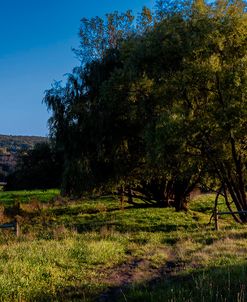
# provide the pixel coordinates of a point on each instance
(193, 61)
(157, 105)
(208, 92)
(215, 89)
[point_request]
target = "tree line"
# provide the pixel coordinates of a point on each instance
(157, 105)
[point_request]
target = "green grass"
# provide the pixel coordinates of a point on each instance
(41, 270)
(215, 284)
(76, 250)
(10, 197)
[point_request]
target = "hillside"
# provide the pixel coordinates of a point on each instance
(11, 146)
(16, 143)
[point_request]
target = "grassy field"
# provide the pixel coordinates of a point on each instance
(91, 250)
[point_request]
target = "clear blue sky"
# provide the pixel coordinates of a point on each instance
(36, 41)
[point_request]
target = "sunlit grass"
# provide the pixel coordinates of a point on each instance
(73, 250)
(10, 197)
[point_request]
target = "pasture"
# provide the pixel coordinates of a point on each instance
(93, 250)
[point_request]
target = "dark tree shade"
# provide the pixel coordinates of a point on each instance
(38, 168)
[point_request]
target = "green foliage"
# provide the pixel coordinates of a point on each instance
(157, 107)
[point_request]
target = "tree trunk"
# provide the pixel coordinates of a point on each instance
(121, 196)
(130, 196)
(235, 186)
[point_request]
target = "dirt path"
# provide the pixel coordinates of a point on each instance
(137, 271)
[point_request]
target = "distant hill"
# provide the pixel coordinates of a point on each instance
(11, 146)
(15, 143)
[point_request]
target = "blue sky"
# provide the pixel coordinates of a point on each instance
(36, 41)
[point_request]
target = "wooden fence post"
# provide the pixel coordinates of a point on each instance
(17, 228)
(216, 216)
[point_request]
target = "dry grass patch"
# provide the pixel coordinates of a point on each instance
(226, 251)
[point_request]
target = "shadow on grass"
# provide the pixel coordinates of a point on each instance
(122, 228)
(219, 284)
(94, 218)
(94, 210)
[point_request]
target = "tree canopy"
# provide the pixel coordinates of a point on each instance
(157, 105)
